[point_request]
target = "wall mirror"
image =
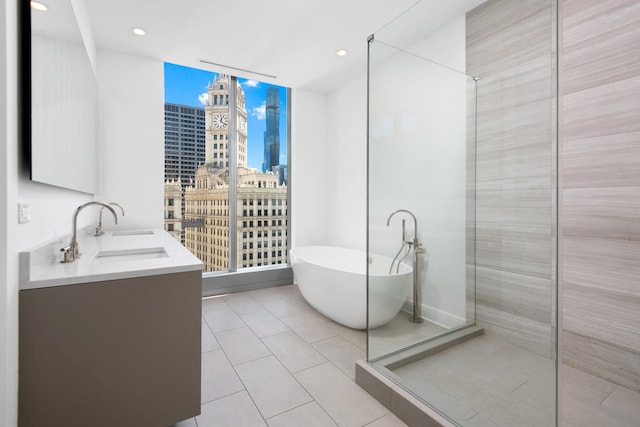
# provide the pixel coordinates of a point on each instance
(63, 109)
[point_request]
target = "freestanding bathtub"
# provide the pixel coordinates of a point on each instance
(334, 281)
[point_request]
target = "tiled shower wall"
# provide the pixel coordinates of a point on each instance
(511, 47)
(600, 157)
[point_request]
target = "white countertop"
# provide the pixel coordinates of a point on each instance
(41, 267)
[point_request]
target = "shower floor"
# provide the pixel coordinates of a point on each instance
(487, 382)
(590, 401)
(400, 333)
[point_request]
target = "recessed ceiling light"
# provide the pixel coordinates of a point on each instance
(139, 31)
(39, 6)
(341, 52)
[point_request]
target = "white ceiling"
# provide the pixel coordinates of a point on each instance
(294, 40)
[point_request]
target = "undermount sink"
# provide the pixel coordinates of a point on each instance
(132, 232)
(136, 254)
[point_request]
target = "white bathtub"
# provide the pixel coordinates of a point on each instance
(333, 281)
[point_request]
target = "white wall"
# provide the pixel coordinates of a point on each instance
(309, 168)
(328, 176)
(347, 164)
(141, 148)
(8, 197)
(419, 163)
(131, 92)
(51, 214)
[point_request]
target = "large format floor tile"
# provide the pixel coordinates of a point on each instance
(308, 415)
(241, 345)
(293, 352)
(255, 343)
(591, 401)
(242, 303)
(309, 328)
(264, 324)
(222, 318)
(342, 353)
(343, 400)
(273, 389)
(488, 382)
(209, 342)
(270, 359)
(231, 411)
(219, 379)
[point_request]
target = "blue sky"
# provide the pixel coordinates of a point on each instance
(186, 86)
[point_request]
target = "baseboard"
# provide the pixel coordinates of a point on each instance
(436, 316)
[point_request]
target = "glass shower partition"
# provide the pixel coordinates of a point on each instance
(461, 205)
(421, 170)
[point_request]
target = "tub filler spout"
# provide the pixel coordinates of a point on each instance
(417, 250)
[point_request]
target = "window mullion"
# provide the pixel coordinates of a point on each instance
(233, 174)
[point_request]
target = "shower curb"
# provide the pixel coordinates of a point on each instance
(376, 380)
(401, 403)
(430, 348)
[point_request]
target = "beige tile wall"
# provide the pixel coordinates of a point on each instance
(510, 46)
(600, 149)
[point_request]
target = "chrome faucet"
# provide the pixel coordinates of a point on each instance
(417, 249)
(99, 231)
(417, 246)
(71, 252)
(397, 260)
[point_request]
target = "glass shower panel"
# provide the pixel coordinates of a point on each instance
(421, 233)
(462, 189)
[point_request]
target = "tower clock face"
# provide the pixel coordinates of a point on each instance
(220, 121)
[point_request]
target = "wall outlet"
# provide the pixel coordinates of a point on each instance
(24, 213)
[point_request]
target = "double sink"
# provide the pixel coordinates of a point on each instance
(118, 254)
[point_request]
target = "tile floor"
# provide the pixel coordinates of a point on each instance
(588, 401)
(270, 359)
(400, 333)
(487, 382)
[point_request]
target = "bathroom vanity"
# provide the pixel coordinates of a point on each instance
(112, 339)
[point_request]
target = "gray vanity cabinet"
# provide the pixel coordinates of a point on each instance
(123, 352)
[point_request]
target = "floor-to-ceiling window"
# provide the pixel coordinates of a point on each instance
(226, 169)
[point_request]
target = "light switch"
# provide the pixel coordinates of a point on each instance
(24, 213)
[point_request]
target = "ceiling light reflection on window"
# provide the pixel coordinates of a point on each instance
(341, 52)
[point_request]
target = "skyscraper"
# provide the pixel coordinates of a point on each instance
(184, 136)
(261, 200)
(272, 132)
(184, 139)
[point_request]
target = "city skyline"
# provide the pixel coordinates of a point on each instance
(188, 86)
(198, 213)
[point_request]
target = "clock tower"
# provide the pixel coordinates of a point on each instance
(217, 124)
(260, 219)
